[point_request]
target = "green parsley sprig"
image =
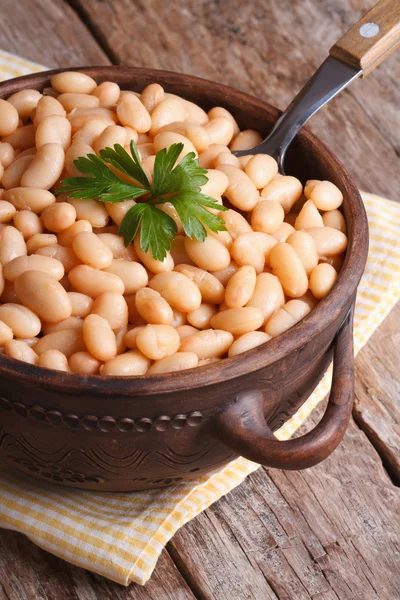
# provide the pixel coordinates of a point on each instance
(180, 185)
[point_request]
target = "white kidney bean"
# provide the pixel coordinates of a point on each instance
(328, 241)
(235, 223)
(267, 216)
(54, 129)
(67, 341)
(153, 308)
(35, 262)
(201, 317)
(336, 261)
(6, 333)
(241, 191)
(335, 219)
(210, 287)
(91, 250)
(155, 266)
(23, 322)
(208, 343)
(285, 190)
(108, 93)
(77, 149)
(45, 168)
(117, 246)
(261, 169)
(22, 138)
(325, 195)
(304, 245)
(8, 294)
(286, 317)
(81, 304)
(20, 351)
(24, 102)
(94, 282)
(240, 287)
(178, 251)
(73, 82)
(176, 362)
(66, 237)
(58, 217)
(132, 113)
(196, 134)
(84, 363)
(28, 223)
(210, 255)
(152, 95)
(246, 140)
(185, 330)
(157, 341)
(248, 341)
(131, 273)
(268, 295)
(238, 320)
(80, 116)
(207, 157)
(130, 336)
(118, 210)
(7, 154)
(289, 269)
(7, 211)
(66, 256)
(70, 323)
(40, 240)
(12, 244)
(322, 280)
(54, 359)
(283, 232)
(71, 100)
(47, 106)
(27, 198)
(218, 111)
(13, 174)
(216, 185)
(167, 111)
(178, 290)
(111, 135)
(44, 295)
(9, 118)
(220, 130)
(253, 249)
(99, 338)
(308, 217)
(227, 158)
(224, 275)
(165, 139)
(129, 364)
(112, 307)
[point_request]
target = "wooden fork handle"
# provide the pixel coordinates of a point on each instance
(372, 39)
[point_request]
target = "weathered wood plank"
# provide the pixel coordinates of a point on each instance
(270, 50)
(48, 32)
(330, 532)
(376, 407)
(29, 573)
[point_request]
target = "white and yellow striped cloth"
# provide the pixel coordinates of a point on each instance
(121, 536)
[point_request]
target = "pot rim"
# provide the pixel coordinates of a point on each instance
(253, 360)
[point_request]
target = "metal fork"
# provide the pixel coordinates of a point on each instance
(356, 54)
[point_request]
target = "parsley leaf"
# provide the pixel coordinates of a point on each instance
(180, 184)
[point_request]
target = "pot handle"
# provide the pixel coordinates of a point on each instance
(242, 426)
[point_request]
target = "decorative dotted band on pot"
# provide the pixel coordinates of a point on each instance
(105, 424)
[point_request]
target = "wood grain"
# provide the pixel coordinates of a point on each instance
(367, 51)
(331, 532)
(47, 32)
(376, 406)
(268, 49)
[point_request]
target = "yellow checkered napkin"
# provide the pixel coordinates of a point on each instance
(121, 536)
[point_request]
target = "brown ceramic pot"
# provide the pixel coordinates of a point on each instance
(122, 434)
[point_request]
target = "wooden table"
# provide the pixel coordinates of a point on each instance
(332, 532)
